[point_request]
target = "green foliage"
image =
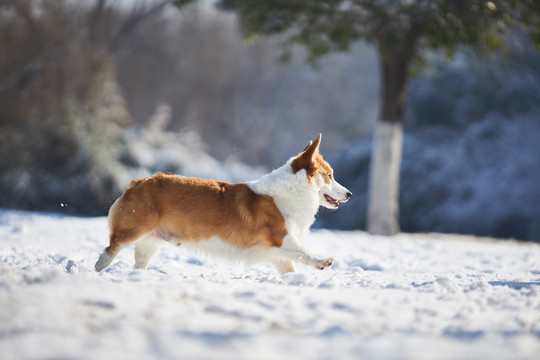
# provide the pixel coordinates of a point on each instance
(181, 3)
(401, 27)
(319, 25)
(529, 14)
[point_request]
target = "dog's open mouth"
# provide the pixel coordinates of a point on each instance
(331, 200)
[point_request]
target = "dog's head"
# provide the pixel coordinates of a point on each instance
(319, 173)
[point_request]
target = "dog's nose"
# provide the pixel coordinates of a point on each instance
(349, 194)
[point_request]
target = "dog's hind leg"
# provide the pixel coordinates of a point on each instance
(107, 257)
(128, 222)
(118, 240)
(145, 248)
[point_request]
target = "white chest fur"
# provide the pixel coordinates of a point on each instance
(294, 195)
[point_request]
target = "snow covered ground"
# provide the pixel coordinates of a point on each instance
(426, 296)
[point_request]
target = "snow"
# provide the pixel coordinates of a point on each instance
(414, 296)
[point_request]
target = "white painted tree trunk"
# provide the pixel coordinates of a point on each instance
(383, 208)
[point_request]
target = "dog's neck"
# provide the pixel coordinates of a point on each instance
(294, 195)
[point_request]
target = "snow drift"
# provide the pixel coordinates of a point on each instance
(425, 296)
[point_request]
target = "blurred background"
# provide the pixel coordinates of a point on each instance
(95, 93)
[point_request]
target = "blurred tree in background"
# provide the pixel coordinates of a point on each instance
(62, 113)
(400, 31)
(58, 99)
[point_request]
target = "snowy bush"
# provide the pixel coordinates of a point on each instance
(152, 149)
(104, 158)
(470, 156)
(65, 161)
(60, 108)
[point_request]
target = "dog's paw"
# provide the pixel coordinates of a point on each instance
(325, 263)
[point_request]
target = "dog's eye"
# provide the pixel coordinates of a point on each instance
(330, 176)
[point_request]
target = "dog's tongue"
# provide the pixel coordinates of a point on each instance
(330, 199)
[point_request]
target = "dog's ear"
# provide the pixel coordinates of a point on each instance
(306, 158)
(308, 145)
(311, 151)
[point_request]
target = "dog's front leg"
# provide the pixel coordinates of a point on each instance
(284, 266)
(291, 249)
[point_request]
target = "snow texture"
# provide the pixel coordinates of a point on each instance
(428, 296)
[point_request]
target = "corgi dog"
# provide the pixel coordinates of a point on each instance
(264, 220)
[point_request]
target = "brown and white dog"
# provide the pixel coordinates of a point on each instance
(264, 220)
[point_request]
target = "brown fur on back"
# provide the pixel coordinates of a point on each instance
(194, 209)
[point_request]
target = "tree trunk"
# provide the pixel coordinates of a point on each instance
(383, 208)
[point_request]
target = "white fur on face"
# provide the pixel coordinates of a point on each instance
(331, 193)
